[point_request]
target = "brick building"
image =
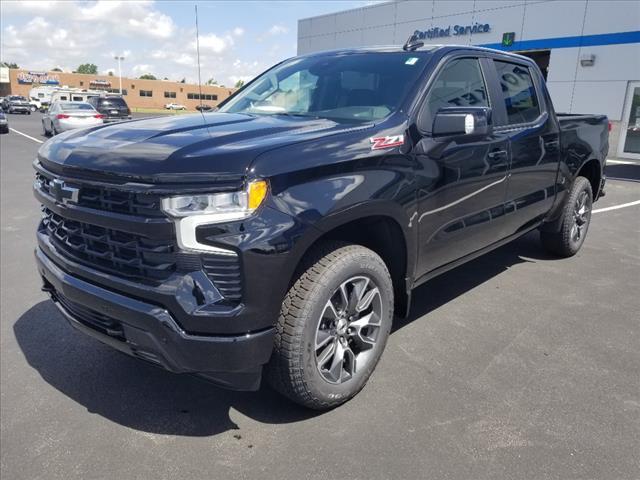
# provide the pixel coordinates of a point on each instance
(138, 93)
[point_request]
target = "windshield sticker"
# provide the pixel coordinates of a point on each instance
(380, 143)
(411, 61)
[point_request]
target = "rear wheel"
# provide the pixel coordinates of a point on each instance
(44, 129)
(333, 326)
(576, 217)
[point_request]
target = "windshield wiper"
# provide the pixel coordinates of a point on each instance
(295, 114)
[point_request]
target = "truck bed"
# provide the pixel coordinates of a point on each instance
(584, 137)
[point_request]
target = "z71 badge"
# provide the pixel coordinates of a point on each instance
(380, 143)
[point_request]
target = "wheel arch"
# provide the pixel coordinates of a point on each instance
(592, 171)
(375, 228)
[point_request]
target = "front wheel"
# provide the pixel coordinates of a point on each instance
(333, 326)
(575, 220)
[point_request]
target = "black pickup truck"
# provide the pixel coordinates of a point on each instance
(278, 235)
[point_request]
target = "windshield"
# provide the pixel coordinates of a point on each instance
(112, 102)
(354, 87)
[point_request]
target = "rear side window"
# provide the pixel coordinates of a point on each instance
(459, 84)
(518, 92)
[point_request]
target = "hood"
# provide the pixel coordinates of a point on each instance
(196, 147)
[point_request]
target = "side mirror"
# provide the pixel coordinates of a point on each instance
(462, 121)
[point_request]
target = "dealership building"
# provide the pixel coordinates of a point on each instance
(137, 92)
(588, 50)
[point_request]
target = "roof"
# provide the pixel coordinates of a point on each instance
(398, 48)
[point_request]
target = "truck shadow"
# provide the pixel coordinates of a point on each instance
(140, 396)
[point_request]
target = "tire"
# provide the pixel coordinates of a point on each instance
(29, 112)
(302, 366)
(54, 132)
(33, 108)
(575, 220)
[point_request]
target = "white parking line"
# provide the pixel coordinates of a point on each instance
(25, 135)
(616, 207)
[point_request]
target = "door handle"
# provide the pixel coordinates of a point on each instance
(496, 155)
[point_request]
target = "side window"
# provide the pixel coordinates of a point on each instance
(518, 92)
(459, 84)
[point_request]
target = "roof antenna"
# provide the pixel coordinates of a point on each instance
(413, 43)
(198, 53)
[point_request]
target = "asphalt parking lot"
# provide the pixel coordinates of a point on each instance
(516, 365)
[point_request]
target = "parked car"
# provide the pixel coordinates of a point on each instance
(16, 104)
(4, 122)
(282, 233)
(63, 116)
(174, 106)
(34, 105)
(114, 108)
(204, 108)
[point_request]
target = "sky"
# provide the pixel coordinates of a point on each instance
(238, 39)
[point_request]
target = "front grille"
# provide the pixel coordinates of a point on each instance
(113, 251)
(224, 272)
(111, 199)
(96, 320)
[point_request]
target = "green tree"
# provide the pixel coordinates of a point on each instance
(110, 73)
(211, 81)
(240, 84)
(12, 65)
(184, 80)
(56, 69)
(87, 68)
(147, 76)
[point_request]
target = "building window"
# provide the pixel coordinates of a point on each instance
(146, 93)
(169, 94)
(204, 96)
(81, 83)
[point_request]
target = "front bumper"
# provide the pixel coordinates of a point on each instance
(149, 331)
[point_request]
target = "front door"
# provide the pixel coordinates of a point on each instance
(462, 178)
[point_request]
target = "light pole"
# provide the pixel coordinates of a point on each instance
(119, 58)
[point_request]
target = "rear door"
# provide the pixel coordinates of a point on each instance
(524, 116)
(462, 178)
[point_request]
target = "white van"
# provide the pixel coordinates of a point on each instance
(74, 95)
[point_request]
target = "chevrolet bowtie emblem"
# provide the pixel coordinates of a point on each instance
(63, 193)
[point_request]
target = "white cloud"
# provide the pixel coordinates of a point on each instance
(278, 30)
(41, 35)
(213, 43)
(141, 69)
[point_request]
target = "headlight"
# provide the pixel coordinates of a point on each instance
(191, 211)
